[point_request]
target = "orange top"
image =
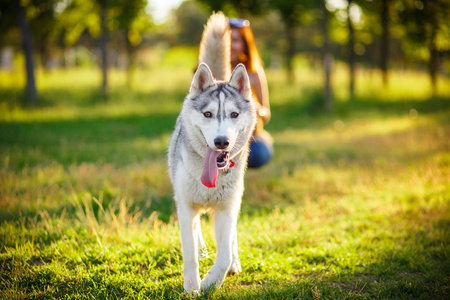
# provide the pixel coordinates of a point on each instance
(260, 123)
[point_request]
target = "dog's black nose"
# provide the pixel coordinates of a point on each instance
(221, 142)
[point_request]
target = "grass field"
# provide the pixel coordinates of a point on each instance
(355, 203)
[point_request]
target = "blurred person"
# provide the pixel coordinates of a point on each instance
(243, 50)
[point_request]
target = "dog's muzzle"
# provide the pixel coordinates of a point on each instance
(222, 160)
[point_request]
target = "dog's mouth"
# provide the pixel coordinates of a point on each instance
(215, 161)
(222, 159)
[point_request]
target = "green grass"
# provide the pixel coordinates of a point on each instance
(355, 203)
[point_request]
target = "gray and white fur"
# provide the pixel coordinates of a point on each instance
(216, 117)
(215, 46)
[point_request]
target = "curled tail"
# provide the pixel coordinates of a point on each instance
(215, 46)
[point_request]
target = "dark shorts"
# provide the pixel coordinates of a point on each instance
(260, 153)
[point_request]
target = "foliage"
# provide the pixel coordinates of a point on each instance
(416, 33)
(425, 24)
(236, 8)
(354, 204)
(61, 23)
(77, 17)
(189, 21)
(131, 17)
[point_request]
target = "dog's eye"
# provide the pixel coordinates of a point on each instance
(234, 115)
(207, 114)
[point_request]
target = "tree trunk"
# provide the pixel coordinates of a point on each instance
(103, 45)
(63, 57)
(290, 51)
(43, 53)
(130, 57)
(384, 46)
(31, 95)
(433, 64)
(327, 59)
(351, 51)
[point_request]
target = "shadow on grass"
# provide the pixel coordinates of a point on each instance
(132, 138)
(308, 111)
(413, 263)
(117, 140)
(89, 97)
(406, 260)
(129, 139)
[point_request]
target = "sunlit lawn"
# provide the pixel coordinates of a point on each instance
(355, 204)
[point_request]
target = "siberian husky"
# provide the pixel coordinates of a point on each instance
(207, 156)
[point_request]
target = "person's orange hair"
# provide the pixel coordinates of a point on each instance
(253, 63)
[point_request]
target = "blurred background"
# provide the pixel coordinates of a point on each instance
(346, 37)
(354, 203)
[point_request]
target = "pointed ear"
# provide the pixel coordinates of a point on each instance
(202, 79)
(240, 81)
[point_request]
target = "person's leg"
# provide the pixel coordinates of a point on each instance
(260, 153)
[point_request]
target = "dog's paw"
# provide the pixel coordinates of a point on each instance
(235, 268)
(212, 280)
(192, 286)
(208, 285)
(203, 253)
(192, 293)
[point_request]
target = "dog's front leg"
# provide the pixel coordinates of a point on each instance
(186, 219)
(236, 263)
(225, 228)
(202, 250)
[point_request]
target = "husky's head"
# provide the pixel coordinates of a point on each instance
(223, 116)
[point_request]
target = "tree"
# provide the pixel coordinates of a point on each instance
(75, 18)
(426, 27)
(8, 24)
(326, 57)
(103, 43)
(384, 45)
(27, 45)
(189, 22)
(43, 27)
(292, 14)
(132, 20)
(122, 21)
(351, 51)
(15, 30)
(437, 13)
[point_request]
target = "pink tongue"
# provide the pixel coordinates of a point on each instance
(210, 169)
